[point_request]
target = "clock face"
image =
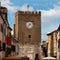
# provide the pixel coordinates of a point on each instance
(29, 25)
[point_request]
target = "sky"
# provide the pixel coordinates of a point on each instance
(50, 12)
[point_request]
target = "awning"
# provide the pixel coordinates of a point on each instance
(8, 40)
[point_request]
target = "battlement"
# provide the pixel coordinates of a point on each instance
(3, 9)
(28, 12)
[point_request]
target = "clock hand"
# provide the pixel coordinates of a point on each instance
(29, 24)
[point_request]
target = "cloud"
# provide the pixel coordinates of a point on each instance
(47, 15)
(10, 6)
(25, 8)
(12, 32)
(50, 15)
(50, 20)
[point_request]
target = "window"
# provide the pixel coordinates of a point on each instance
(0, 46)
(8, 51)
(4, 46)
(29, 36)
(13, 48)
(1, 28)
(4, 31)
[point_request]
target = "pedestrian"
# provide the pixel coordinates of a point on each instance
(36, 57)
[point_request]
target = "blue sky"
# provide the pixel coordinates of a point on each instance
(50, 12)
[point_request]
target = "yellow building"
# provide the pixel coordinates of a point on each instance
(52, 43)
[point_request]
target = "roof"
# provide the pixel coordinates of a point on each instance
(58, 27)
(14, 38)
(9, 27)
(51, 32)
(1, 7)
(54, 30)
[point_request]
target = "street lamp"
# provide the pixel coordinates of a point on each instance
(58, 42)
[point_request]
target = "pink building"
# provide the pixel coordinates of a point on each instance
(6, 39)
(4, 31)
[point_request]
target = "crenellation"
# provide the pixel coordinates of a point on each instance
(28, 12)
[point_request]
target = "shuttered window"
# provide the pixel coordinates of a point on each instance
(0, 46)
(29, 36)
(1, 28)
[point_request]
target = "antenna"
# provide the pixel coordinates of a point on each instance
(28, 7)
(0, 6)
(0, 3)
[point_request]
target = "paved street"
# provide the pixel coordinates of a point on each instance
(16, 58)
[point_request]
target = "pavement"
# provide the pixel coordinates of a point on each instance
(16, 58)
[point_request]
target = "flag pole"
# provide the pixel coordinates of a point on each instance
(28, 7)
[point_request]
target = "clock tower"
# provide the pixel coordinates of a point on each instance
(27, 29)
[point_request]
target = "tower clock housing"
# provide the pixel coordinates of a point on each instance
(28, 26)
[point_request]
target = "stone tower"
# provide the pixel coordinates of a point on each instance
(27, 29)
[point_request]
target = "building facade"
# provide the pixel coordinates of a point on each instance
(8, 42)
(3, 30)
(58, 43)
(53, 43)
(27, 29)
(5, 35)
(14, 46)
